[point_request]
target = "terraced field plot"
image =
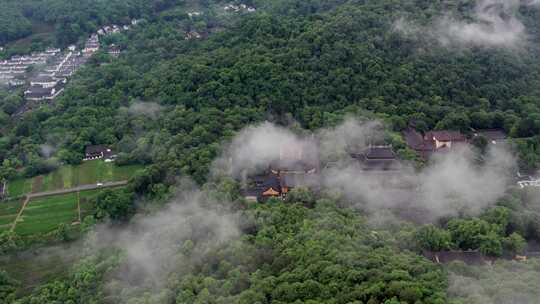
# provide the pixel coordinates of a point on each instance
(90, 172)
(19, 187)
(8, 213)
(43, 215)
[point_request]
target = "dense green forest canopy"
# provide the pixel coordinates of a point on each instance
(170, 103)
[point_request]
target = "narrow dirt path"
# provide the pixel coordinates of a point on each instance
(19, 214)
(79, 205)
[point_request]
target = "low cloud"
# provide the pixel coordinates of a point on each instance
(256, 147)
(493, 23)
(147, 109)
(506, 282)
(47, 150)
(174, 238)
(454, 183)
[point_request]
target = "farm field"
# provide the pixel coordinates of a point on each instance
(43, 215)
(65, 177)
(8, 213)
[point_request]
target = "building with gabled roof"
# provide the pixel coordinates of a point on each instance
(43, 81)
(433, 141)
(263, 187)
(98, 152)
(377, 158)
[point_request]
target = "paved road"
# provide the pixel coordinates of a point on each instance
(77, 189)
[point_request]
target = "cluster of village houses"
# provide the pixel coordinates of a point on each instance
(54, 66)
(14, 70)
(50, 82)
(301, 167)
(239, 8)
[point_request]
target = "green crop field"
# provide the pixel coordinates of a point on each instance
(87, 173)
(43, 215)
(8, 213)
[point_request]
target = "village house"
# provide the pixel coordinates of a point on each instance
(194, 14)
(52, 51)
(98, 152)
(192, 35)
(238, 8)
(38, 93)
(114, 50)
(44, 81)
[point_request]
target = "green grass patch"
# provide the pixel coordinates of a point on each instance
(87, 172)
(125, 172)
(43, 215)
(19, 187)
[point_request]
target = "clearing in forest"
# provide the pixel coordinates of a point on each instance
(66, 177)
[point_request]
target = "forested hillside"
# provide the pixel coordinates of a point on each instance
(194, 74)
(311, 66)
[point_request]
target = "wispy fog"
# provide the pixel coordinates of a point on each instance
(493, 23)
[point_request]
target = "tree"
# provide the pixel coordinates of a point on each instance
(8, 286)
(491, 244)
(481, 143)
(514, 243)
(471, 233)
(432, 238)
(300, 195)
(62, 232)
(117, 205)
